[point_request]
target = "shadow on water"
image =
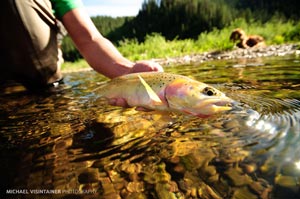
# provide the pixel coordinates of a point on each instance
(60, 142)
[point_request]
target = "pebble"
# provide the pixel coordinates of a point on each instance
(213, 178)
(231, 124)
(210, 171)
(288, 182)
(89, 176)
(135, 186)
(237, 178)
(249, 168)
(243, 193)
(207, 192)
(258, 188)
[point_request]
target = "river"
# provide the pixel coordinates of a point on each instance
(61, 144)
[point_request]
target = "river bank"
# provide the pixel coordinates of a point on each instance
(236, 53)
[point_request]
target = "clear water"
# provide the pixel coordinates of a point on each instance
(60, 144)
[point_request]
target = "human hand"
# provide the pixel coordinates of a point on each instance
(123, 103)
(118, 102)
(146, 66)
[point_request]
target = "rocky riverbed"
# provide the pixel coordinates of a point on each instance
(236, 53)
(65, 141)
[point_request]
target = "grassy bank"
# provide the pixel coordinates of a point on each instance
(156, 46)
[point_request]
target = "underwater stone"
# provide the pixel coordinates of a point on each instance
(210, 170)
(249, 168)
(237, 178)
(288, 182)
(206, 192)
(88, 177)
(261, 188)
(135, 186)
(213, 178)
(244, 193)
(231, 124)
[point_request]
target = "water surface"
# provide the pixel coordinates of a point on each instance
(60, 141)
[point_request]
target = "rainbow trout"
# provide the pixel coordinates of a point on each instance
(166, 92)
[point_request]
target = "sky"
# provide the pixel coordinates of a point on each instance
(113, 8)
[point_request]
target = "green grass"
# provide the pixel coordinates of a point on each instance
(156, 46)
(74, 66)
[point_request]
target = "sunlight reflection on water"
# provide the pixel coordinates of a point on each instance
(62, 140)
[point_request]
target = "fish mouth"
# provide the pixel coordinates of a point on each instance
(225, 102)
(215, 105)
(218, 102)
(219, 107)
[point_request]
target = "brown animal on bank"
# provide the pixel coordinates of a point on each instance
(245, 41)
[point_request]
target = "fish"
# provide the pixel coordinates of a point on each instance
(170, 92)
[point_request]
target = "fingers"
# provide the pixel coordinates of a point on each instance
(118, 102)
(139, 108)
(146, 66)
(122, 102)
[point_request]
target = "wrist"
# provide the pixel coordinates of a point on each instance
(122, 68)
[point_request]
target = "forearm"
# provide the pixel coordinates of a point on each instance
(99, 52)
(105, 58)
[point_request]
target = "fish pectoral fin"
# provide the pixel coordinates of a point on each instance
(153, 96)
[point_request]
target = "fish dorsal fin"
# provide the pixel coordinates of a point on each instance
(153, 96)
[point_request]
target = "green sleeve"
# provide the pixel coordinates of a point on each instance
(61, 7)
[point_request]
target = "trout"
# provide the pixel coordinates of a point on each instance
(166, 92)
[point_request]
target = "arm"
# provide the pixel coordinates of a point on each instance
(97, 50)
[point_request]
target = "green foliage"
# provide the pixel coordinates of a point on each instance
(112, 28)
(275, 31)
(166, 28)
(264, 9)
(74, 66)
(70, 53)
(181, 18)
(106, 24)
(156, 46)
(293, 34)
(216, 40)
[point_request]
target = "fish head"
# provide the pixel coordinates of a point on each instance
(196, 98)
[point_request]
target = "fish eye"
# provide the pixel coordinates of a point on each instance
(209, 91)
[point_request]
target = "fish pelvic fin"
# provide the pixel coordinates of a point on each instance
(153, 96)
